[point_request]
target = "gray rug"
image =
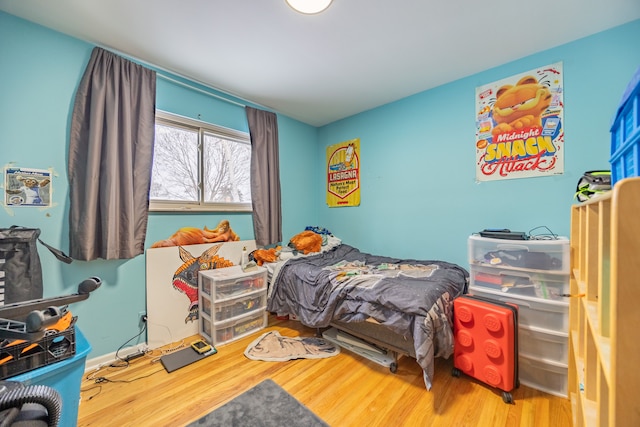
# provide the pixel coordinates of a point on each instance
(265, 405)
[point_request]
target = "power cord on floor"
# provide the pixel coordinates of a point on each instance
(135, 355)
(101, 379)
(171, 349)
(125, 364)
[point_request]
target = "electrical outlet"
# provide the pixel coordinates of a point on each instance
(142, 318)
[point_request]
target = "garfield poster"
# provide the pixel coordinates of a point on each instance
(343, 174)
(519, 126)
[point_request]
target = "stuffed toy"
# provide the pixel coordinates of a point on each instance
(194, 236)
(306, 242)
(260, 256)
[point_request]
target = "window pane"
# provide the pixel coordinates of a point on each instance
(199, 167)
(226, 170)
(175, 164)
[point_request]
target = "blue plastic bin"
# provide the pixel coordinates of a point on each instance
(64, 376)
(625, 134)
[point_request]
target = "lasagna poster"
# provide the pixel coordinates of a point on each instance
(519, 126)
(343, 174)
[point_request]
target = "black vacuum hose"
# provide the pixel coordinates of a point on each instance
(40, 394)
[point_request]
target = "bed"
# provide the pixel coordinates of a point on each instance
(401, 305)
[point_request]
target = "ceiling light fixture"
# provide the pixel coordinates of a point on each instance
(309, 7)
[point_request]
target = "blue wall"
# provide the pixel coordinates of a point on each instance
(39, 75)
(419, 195)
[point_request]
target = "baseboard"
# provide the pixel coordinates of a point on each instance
(108, 359)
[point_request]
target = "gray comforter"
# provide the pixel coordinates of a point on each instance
(413, 298)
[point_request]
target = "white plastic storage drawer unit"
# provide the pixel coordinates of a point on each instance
(221, 283)
(232, 329)
(532, 312)
(232, 303)
(551, 256)
(544, 344)
(533, 275)
(239, 306)
(544, 375)
(529, 283)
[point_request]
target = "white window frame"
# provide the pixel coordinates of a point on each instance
(202, 128)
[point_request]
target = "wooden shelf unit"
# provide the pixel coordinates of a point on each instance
(604, 311)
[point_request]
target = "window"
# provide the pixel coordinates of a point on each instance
(199, 167)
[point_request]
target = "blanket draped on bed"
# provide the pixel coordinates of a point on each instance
(413, 298)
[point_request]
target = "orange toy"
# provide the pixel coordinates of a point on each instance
(307, 242)
(266, 255)
(194, 236)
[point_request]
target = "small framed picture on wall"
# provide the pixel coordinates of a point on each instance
(27, 187)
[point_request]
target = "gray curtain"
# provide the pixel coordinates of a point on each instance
(110, 158)
(265, 176)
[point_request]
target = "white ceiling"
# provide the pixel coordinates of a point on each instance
(357, 55)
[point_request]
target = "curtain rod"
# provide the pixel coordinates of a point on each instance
(222, 98)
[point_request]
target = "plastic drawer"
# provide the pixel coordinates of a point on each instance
(543, 344)
(230, 282)
(547, 255)
(235, 329)
(205, 305)
(239, 306)
(535, 312)
(205, 328)
(543, 375)
(537, 284)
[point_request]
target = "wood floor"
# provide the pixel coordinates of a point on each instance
(345, 390)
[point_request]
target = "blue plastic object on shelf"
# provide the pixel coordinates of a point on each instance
(625, 134)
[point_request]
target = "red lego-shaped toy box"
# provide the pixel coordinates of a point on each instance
(486, 342)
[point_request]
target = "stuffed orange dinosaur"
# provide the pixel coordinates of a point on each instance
(266, 255)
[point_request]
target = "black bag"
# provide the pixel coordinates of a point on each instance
(592, 183)
(20, 269)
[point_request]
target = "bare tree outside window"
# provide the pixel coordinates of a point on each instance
(225, 171)
(175, 164)
(198, 166)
